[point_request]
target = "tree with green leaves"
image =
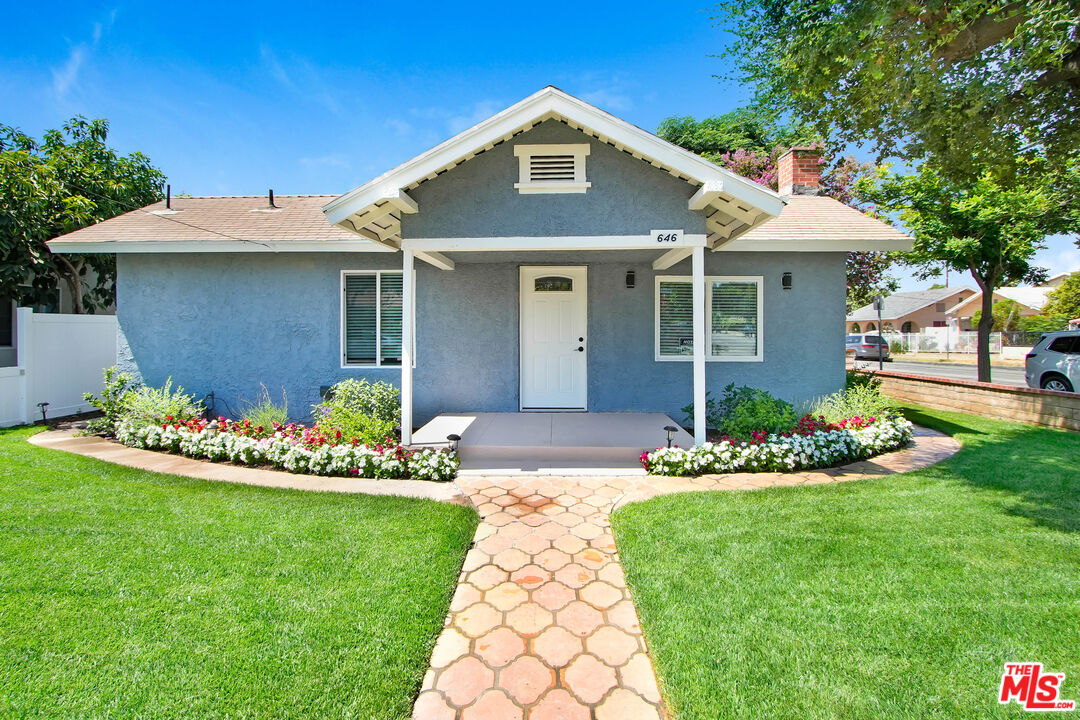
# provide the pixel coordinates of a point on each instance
(66, 181)
(749, 143)
(969, 81)
(991, 226)
(1065, 298)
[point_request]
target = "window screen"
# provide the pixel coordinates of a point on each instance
(733, 319)
(676, 318)
(372, 319)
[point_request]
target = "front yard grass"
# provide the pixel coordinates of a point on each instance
(128, 594)
(898, 597)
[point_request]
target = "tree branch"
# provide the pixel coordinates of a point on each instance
(987, 31)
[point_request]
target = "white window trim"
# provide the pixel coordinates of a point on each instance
(378, 321)
(709, 280)
(526, 185)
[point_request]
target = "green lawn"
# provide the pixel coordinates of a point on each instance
(127, 594)
(899, 597)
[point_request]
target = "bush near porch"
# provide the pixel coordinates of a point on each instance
(761, 433)
(354, 432)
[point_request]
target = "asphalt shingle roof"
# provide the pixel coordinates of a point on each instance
(245, 217)
(900, 304)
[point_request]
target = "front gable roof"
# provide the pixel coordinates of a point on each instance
(900, 304)
(732, 204)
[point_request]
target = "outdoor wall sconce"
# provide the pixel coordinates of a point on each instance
(785, 281)
(453, 440)
(671, 430)
(630, 279)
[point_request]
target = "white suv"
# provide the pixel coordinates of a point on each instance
(1054, 362)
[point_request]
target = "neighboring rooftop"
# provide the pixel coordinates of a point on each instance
(1030, 297)
(900, 304)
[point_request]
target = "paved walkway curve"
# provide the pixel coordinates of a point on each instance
(541, 626)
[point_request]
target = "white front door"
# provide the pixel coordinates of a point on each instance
(554, 344)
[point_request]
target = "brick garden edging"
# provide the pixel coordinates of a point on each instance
(1004, 402)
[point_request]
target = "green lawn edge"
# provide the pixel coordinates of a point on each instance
(125, 593)
(894, 597)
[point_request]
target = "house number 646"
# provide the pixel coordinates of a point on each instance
(667, 236)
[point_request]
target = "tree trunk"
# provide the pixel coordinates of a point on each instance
(986, 324)
(74, 286)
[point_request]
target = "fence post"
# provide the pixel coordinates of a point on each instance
(24, 352)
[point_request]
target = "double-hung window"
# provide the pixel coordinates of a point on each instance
(371, 318)
(733, 318)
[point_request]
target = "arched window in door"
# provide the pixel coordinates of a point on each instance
(909, 327)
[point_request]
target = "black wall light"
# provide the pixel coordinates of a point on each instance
(630, 279)
(785, 281)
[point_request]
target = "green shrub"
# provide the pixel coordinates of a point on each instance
(741, 411)
(862, 400)
(361, 410)
(856, 378)
(263, 412)
(745, 410)
(113, 403)
(160, 405)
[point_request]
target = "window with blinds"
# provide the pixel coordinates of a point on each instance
(732, 320)
(675, 310)
(371, 318)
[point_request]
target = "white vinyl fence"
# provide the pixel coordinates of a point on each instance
(59, 357)
(940, 340)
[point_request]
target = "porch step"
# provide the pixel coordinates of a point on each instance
(551, 442)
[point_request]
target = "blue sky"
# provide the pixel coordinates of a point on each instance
(231, 98)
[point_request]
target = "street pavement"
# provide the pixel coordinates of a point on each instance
(954, 371)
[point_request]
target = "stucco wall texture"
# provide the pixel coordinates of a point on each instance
(228, 322)
(478, 198)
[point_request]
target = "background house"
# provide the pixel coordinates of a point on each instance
(910, 312)
(1030, 299)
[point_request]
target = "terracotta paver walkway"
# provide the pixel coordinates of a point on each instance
(541, 625)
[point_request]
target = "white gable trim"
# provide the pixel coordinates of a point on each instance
(546, 104)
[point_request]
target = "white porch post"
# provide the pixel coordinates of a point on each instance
(699, 344)
(407, 313)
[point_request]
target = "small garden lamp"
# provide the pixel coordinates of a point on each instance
(42, 406)
(453, 439)
(671, 430)
(212, 427)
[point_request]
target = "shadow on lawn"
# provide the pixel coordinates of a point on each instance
(1037, 465)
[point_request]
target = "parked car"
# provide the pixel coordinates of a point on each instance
(867, 347)
(1054, 362)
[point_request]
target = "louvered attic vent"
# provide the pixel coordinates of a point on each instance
(552, 168)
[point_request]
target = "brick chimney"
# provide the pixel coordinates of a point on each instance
(799, 171)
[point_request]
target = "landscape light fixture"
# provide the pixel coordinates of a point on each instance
(671, 430)
(454, 440)
(42, 406)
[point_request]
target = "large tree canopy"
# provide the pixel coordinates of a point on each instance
(749, 142)
(1065, 298)
(990, 226)
(970, 81)
(68, 180)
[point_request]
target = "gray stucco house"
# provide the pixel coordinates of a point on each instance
(553, 257)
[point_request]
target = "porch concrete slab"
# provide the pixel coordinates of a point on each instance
(552, 443)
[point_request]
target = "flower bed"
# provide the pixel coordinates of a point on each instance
(292, 447)
(813, 444)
